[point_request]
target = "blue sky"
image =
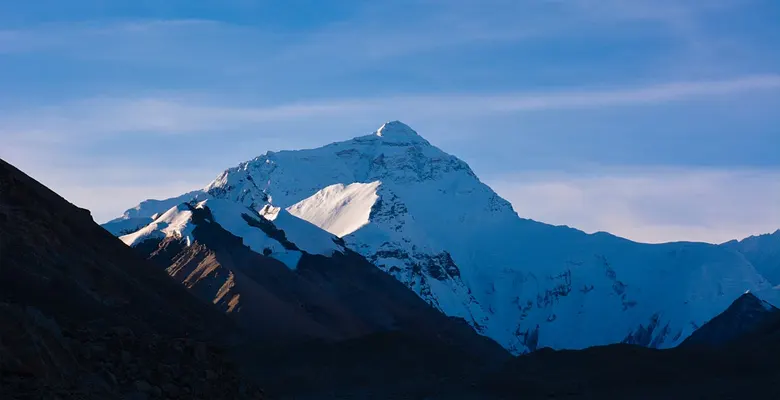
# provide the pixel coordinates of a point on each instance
(653, 119)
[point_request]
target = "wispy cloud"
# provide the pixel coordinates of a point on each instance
(178, 115)
(642, 95)
(652, 205)
(413, 39)
(703, 46)
(374, 33)
(75, 36)
(104, 188)
(137, 97)
(649, 206)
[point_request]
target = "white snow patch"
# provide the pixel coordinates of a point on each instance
(176, 222)
(230, 216)
(305, 235)
(397, 131)
(269, 212)
(339, 209)
(153, 208)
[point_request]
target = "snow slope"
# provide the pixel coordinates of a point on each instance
(763, 251)
(175, 222)
(304, 234)
(339, 209)
(146, 212)
(424, 217)
(236, 219)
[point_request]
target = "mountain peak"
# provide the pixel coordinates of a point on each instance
(424, 217)
(746, 314)
(397, 131)
(395, 128)
(749, 301)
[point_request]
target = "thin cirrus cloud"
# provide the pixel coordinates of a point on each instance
(651, 205)
(567, 84)
(373, 30)
(644, 205)
(74, 37)
(174, 115)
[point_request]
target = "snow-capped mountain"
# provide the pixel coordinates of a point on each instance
(299, 236)
(763, 251)
(285, 279)
(425, 218)
(139, 216)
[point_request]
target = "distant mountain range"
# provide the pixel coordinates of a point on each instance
(763, 251)
(393, 200)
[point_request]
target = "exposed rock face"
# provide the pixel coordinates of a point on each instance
(82, 316)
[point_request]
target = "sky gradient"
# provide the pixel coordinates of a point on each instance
(652, 119)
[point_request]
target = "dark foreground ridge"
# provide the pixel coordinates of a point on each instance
(747, 316)
(82, 316)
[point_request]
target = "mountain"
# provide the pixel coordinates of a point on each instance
(734, 355)
(83, 316)
(136, 218)
(288, 281)
(763, 252)
(424, 217)
(748, 314)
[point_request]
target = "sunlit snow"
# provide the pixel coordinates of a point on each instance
(424, 217)
(173, 223)
(305, 235)
(338, 209)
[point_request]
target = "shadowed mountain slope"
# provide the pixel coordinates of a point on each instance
(82, 316)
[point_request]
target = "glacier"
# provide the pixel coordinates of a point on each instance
(424, 217)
